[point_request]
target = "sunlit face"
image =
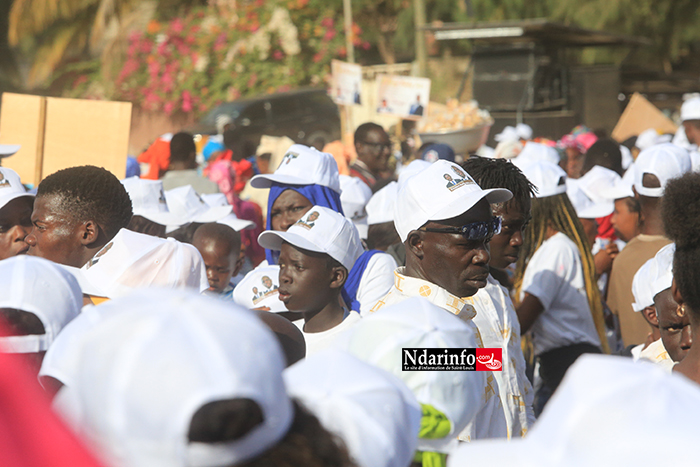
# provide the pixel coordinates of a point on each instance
(674, 326)
(54, 235)
(15, 224)
(505, 247)
(458, 265)
(288, 208)
(305, 279)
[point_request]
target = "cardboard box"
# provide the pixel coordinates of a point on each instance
(22, 122)
(641, 115)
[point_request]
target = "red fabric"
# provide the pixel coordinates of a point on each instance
(158, 156)
(243, 169)
(31, 435)
(605, 228)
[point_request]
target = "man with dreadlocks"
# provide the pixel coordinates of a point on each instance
(495, 314)
(555, 282)
(76, 213)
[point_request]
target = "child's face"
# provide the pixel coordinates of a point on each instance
(221, 263)
(305, 279)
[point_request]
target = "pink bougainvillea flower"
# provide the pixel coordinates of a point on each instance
(330, 34)
(318, 57)
(177, 26)
(168, 107)
(278, 55)
(186, 101)
(327, 22)
(365, 45)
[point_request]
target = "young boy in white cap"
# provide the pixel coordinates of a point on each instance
(316, 254)
(220, 247)
(495, 314)
(445, 221)
(15, 214)
(653, 168)
(37, 299)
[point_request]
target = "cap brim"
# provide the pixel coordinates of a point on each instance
(265, 181)
(617, 192)
(461, 205)
(160, 217)
(597, 210)
(13, 196)
(237, 224)
(86, 286)
(7, 150)
(213, 214)
(273, 241)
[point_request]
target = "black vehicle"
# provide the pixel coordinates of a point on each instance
(307, 116)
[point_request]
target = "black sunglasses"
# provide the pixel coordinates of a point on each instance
(476, 231)
(377, 146)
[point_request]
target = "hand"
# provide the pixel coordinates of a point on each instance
(604, 258)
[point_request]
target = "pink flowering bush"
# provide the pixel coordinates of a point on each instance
(195, 62)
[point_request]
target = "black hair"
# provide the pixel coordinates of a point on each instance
(500, 173)
(680, 212)
(90, 193)
(382, 236)
(142, 225)
(219, 233)
(21, 323)
(306, 444)
(182, 147)
(630, 142)
(605, 153)
(364, 129)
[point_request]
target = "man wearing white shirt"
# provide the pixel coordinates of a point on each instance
(445, 227)
(495, 313)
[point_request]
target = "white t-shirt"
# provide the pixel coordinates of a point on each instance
(376, 281)
(555, 276)
(317, 341)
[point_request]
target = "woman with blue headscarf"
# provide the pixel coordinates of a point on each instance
(308, 177)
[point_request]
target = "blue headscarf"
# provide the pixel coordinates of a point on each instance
(352, 283)
(318, 195)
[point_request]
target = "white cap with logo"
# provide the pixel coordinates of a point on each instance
(380, 207)
(439, 192)
(148, 200)
(155, 359)
(258, 290)
(219, 200)
(548, 178)
(665, 161)
(354, 198)
(302, 165)
(186, 205)
(43, 288)
(322, 230)
(11, 187)
(372, 411)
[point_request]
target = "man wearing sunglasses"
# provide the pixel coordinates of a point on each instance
(446, 228)
(373, 149)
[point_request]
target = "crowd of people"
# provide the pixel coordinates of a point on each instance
(237, 306)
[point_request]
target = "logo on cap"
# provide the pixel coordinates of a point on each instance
(4, 183)
(453, 184)
(310, 220)
(288, 157)
(271, 289)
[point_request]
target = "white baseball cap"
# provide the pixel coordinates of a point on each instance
(690, 110)
(11, 187)
(379, 338)
(133, 260)
(413, 168)
(148, 200)
(621, 188)
(258, 289)
(322, 230)
(523, 130)
(219, 200)
(354, 197)
(641, 286)
(508, 134)
(535, 152)
(372, 411)
(156, 358)
(186, 206)
(602, 398)
(587, 208)
(380, 207)
(6, 150)
(666, 161)
(43, 288)
(664, 269)
(548, 178)
(302, 165)
(627, 159)
(649, 138)
(439, 192)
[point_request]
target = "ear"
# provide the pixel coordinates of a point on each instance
(88, 233)
(676, 293)
(651, 316)
(338, 277)
(414, 243)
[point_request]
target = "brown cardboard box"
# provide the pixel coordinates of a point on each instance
(22, 122)
(641, 115)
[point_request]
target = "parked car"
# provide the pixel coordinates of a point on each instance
(307, 116)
